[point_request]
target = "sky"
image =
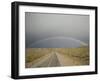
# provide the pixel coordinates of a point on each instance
(42, 26)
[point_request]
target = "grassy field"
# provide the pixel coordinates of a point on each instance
(80, 54)
(34, 53)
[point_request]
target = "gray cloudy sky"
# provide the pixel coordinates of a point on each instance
(39, 26)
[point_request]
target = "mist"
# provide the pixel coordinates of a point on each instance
(41, 26)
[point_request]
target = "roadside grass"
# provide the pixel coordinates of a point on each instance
(80, 54)
(35, 53)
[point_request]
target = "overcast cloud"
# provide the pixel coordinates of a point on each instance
(39, 26)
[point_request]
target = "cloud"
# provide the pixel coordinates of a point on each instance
(39, 26)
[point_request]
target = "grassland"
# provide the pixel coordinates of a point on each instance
(81, 54)
(34, 53)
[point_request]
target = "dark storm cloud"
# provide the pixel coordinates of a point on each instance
(39, 26)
